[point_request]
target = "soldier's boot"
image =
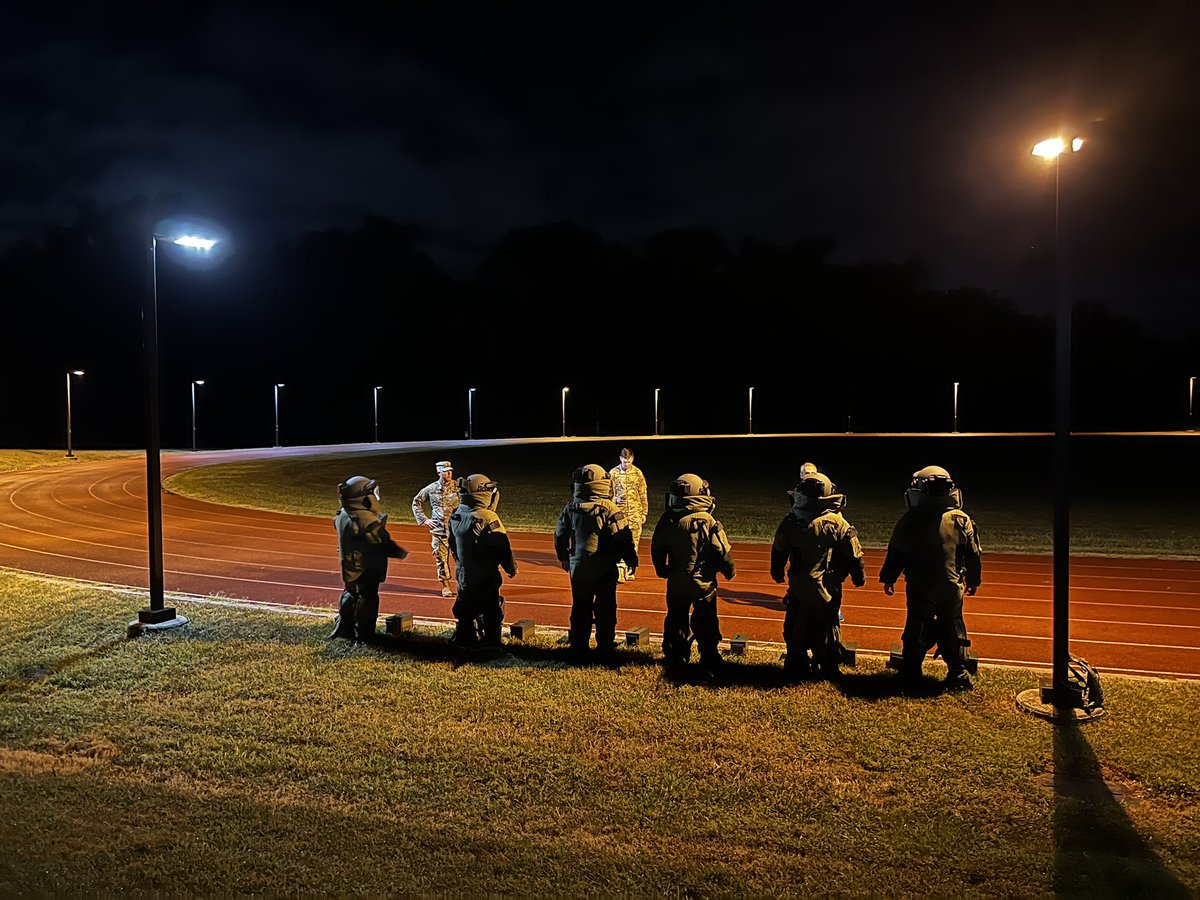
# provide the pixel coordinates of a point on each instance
(623, 574)
(447, 591)
(710, 662)
(606, 649)
(343, 625)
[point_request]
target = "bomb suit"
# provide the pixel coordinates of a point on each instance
(364, 547)
(818, 549)
(592, 537)
(689, 549)
(936, 548)
(481, 549)
(442, 497)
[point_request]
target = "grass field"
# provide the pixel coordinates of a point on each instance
(1133, 497)
(246, 754)
(15, 460)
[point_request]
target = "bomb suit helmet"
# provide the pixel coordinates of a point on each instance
(479, 491)
(933, 489)
(355, 491)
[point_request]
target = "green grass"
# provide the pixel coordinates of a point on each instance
(247, 754)
(1005, 481)
(16, 460)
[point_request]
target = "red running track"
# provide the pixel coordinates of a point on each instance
(88, 521)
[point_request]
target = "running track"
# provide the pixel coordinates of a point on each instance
(88, 521)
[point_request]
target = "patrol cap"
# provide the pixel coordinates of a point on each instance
(444, 465)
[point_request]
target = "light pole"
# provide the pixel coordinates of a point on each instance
(1192, 403)
(956, 407)
(471, 414)
(79, 372)
(376, 392)
(277, 387)
(157, 613)
(564, 410)
(194, 385)
(656, 390)
(750, 424)
(1061, 694)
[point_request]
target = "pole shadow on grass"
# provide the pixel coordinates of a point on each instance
(1097, 849)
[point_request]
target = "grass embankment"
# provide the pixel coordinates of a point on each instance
(1005, 483)
(247, 754)
(16, 460)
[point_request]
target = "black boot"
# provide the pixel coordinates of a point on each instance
(343, 625)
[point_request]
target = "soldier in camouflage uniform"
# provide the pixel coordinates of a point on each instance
(936, 548)
(689, 548)
(364, 547)
(442, 497)
(591, 539)
(629, 493)
(480, 546)
(819, 548)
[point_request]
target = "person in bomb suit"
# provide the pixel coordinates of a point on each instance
(364, 548)
(591, 539)
(818, 549)
(480, 546)
(936, 548)
(689, 549)
(630, 493)
(442, 497)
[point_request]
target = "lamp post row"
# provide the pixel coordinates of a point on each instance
(199, 382)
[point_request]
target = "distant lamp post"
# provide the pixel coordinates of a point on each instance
(565, 391)
(195, 384)
(79, 372)
(157, 613)
(1192, 403)
(956, 407)
(750, 424)
(277, 387)
(1059, 693)
(378, 387)
(656, 390)
(471, 414)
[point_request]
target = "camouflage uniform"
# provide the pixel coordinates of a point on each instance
(480, 546)
(591, 539)
(442, 497)
(819, 548)
(364, 547)
(936, 548)
(630, 494)
(689, 548)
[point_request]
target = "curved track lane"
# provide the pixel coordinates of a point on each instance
(88, 521)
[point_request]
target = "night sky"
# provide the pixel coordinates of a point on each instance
(899, 134)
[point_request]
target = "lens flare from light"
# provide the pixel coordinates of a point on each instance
(1076, 143)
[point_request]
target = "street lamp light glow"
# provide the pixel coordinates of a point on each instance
(196, 243)
(77, 372)
(1049, 148)
(1076, 143)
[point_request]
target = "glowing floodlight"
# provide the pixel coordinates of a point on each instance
(196, 243)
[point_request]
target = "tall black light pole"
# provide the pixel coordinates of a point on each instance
(277, 387)
(656, 390)
(470, 414)
(565, 391)
(1192, 403)
(156, 613)
(956, 407)
(70, 372)
(750, 423)
(194, 385)
(377, 387)
(1061, 694)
